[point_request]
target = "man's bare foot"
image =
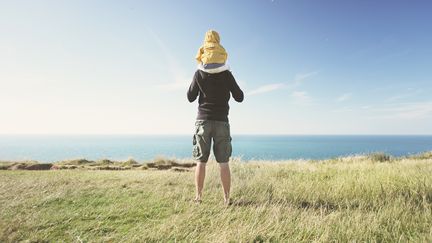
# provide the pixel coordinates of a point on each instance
(227, 202)
(197, 200)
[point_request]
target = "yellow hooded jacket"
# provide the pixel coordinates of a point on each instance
(211, 51)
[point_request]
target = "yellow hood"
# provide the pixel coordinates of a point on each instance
(212, 36)
(211, 51)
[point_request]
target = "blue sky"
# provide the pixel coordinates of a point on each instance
(307, 67)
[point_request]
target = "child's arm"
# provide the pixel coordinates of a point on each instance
(199, 54)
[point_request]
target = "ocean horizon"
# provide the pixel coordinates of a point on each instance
(51, 148)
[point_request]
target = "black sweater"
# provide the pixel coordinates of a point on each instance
(214, 93)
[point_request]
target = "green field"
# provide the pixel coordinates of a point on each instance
(363, 198)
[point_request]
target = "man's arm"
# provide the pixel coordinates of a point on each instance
(192, 93)
(236, 92)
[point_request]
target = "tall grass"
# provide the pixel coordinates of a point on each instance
(344, 199)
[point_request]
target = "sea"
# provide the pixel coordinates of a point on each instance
(52, 148)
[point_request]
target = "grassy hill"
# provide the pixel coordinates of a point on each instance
(362, 198)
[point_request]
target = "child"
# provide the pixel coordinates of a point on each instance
(211, 55)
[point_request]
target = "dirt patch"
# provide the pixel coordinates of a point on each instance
(184, 165)
(45, 166)
(36, 166)
(63, 167)
(107, 167)
(105, 164)
(179, 169)
(170, 165)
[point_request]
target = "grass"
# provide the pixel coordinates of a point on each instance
(355, 198)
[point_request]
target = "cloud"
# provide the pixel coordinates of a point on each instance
(412, 110)
(301, 97)
(344, 97)
(178, 75)
(177, 85)
(409, 93)
(266, 88)
(298, 79)
(343, 110)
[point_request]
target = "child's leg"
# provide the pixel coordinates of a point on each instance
(212, 65)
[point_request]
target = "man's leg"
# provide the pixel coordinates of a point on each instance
(201, 152)
(199, 179)
(222, 150)
(225, 176)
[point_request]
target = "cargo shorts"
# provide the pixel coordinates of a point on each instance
(205, 132)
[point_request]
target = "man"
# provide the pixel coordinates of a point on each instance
(213, 86)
